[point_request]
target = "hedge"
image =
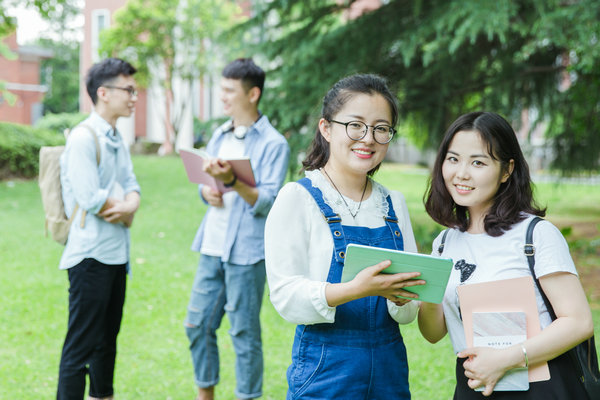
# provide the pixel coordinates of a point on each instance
(20, 148)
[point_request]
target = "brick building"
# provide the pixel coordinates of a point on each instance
(21, 77)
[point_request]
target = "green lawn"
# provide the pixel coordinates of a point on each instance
(153, 360)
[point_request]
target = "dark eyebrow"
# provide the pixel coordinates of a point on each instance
(361, 118)
(472, 155)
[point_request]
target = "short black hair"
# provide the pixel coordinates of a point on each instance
(514, 197)
(247, 71)
(104, 72)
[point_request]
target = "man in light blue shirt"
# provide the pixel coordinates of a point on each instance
(96, 255)
(231, 273)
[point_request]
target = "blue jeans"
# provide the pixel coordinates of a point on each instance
(221, 287)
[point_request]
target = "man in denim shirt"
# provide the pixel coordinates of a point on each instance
(231, 273)
(104, 198)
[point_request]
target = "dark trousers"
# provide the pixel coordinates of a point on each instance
(563, 385)
(96, 298)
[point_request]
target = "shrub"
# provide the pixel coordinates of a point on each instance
(20, 147)
(60, 122)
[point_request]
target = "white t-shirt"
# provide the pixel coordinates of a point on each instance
(217, 218)
(298, 247)
(483, 258)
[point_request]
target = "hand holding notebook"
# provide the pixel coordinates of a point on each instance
(193, 161)
(434, 270)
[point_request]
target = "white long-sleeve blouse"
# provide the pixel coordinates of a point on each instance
(298, 247)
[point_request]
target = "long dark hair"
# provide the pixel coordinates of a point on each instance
(514, 197)
(335, 99)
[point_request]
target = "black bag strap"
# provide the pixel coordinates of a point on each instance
(441, 246)
(585, 352)
(529, 250)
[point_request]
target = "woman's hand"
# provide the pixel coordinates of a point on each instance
(372, 282)
(485, 366)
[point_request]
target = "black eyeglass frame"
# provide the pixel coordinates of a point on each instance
(131, 90)
(392, 130)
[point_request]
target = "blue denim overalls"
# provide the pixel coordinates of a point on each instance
(361, 355)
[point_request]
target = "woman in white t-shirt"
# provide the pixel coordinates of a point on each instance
(347, 343)
(481, 189)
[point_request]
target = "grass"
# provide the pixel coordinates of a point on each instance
(153, 359)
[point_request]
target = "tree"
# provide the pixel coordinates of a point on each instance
(443, 58)
(61, 74)
(169, 40)
(66, 63)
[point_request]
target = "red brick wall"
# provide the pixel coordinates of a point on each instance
(25, 70)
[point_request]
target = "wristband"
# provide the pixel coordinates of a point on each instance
(230, 184)
(525, 355)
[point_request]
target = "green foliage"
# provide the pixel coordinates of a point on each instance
(20, 147)
(443, 58)
(60, 122)
(61, 74)
(203, 130)
(167, 35)
(168, 40)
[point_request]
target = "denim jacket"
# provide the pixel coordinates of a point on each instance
(269, 154)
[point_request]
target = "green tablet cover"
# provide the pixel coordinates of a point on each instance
(434, 270)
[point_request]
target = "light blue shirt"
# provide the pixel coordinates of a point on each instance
(89, 185)
(269, 154)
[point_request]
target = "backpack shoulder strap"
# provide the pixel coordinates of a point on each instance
(441, 246)
(96, 142)
(529, 250)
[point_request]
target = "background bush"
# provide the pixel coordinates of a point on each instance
(60, 122)
(20, 148)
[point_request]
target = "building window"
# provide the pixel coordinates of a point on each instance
(100, 21)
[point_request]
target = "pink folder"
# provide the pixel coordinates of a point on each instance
(503, 296)
(193, 160)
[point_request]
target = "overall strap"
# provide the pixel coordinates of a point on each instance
(333, 220)
(529, 250)
(391, 220)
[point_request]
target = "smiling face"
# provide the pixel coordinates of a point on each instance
(114, 100)
(236, 100)
(356, 157)
(471, 175)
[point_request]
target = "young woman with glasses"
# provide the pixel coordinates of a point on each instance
(348, 341)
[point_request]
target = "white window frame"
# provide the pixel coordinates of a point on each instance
(96, 29)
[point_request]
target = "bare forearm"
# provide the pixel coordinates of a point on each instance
(248, 193)
(340, 293)
(432, 323)
(563, 334)
(133, 201)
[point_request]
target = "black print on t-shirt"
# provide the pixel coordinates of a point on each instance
(466, 270)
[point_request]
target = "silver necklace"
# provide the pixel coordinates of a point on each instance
(342, 197)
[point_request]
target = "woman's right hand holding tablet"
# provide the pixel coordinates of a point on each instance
(372, 282)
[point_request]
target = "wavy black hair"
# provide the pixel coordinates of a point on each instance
(514, 197)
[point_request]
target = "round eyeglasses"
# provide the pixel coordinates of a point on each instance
(129, 89)
(356, 130)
